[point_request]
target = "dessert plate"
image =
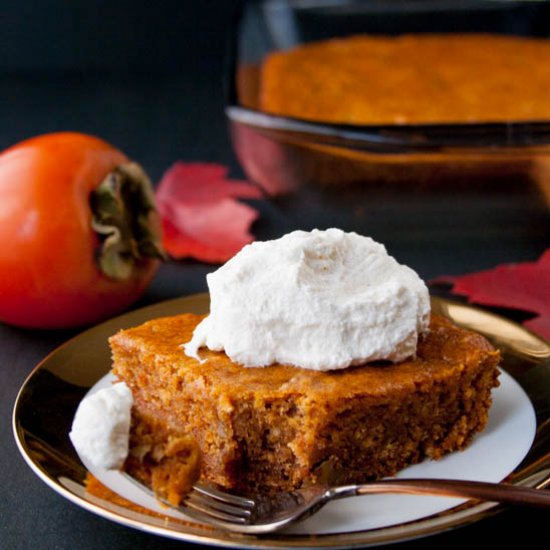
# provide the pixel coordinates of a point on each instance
(510, 448)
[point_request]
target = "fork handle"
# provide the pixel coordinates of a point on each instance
(492, 492)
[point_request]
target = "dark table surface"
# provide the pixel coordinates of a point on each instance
(148, 81)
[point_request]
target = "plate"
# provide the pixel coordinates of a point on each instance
(511, 447)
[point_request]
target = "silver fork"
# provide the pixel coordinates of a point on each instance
(266, 514)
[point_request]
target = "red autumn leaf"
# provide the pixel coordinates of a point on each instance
(211, 232)
(202, 182)
(200, 216)
(524, 286)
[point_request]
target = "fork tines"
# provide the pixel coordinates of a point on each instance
(205, 503)
(219, 505)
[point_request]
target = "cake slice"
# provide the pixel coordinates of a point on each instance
(280, 427)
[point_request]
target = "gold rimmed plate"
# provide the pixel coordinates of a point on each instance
(47, 402)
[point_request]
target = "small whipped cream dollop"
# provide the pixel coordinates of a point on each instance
(319, 300)
(101, 426)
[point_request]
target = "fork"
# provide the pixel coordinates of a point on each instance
(266, 514)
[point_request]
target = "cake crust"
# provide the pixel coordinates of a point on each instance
(279, 427)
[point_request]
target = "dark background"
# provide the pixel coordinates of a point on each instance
(146, 77)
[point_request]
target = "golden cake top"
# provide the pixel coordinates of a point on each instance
(420, 78)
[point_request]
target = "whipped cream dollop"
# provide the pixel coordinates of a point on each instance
(319, 300)
(101, 427)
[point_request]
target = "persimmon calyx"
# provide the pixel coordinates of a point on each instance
(126, 221)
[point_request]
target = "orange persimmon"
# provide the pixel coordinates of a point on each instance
(79, 231)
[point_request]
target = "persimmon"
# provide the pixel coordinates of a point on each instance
(79, 232)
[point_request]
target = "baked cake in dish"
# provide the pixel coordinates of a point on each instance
(410, 79)
(279, 427)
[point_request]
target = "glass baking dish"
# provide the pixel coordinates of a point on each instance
(446, 187)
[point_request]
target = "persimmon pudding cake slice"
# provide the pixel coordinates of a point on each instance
(319, 361)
